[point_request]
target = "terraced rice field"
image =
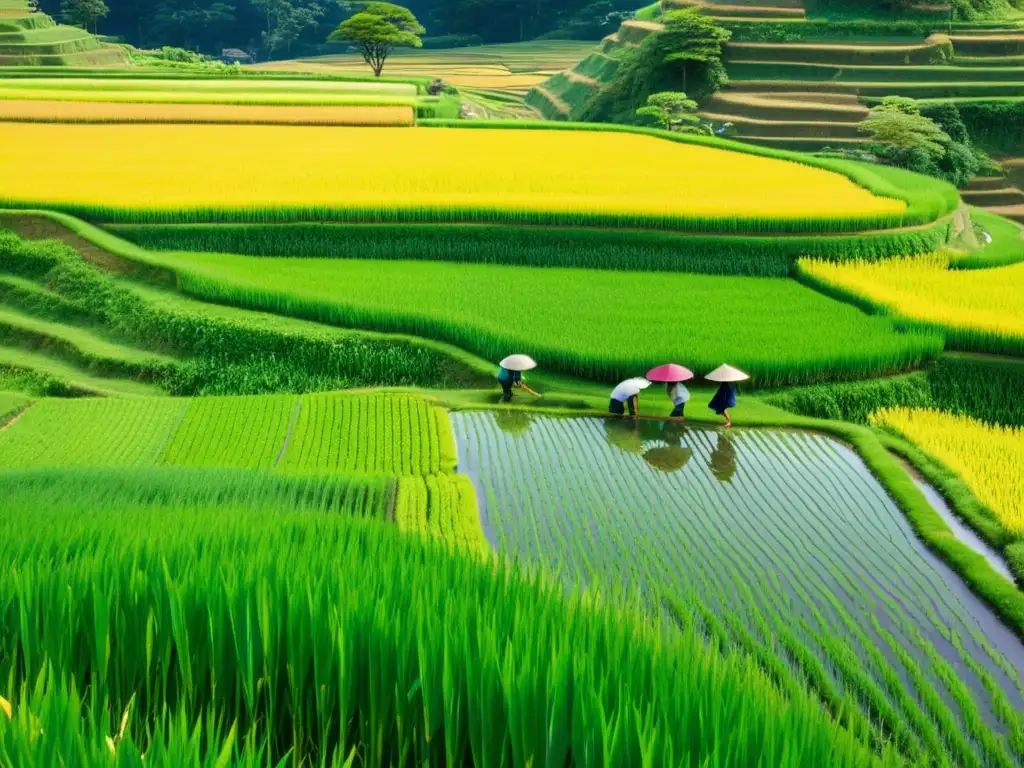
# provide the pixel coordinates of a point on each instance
(780, 544)
(313, 434)
(711, 318)
(978, 310)
(267, 173)
(513, 67)
(988, 457)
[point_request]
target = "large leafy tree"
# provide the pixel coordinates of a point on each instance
(899, 126)
(694, 41)
(377, 30)
(84, 13)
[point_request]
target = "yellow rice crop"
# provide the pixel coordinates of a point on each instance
(923, 288)
(90, 112)
(256, 98)
(990, 459)
(244, 167)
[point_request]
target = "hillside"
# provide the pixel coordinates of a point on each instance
(29, 38)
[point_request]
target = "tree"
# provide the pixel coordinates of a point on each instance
(84, 13)
(377, 30)
(695, 41)
(673, 111)
(896, 130)
(286, 20)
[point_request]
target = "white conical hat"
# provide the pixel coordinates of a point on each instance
(726, 373)
(629, 387)
(518, 363)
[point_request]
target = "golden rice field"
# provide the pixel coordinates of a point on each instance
(253, 98)
(236, 168)
(985, 301)
(507, 66)
(990, 459)
(115, 112)
(191, 86)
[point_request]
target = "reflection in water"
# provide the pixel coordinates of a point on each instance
(625, 435)
(668, 458)
(513, 422)
(723, 459)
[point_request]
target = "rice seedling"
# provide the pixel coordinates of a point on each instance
(392, 435)
(487, 662)
(267, 173)
(466, 305)
(989, 458)
(978, 310)
(442, 507)
(314, 434)
(784, 537)
(113, 432)
(184, 113)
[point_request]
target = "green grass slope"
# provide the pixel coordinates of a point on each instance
(29, 38)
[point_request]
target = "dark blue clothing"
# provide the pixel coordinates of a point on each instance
(724, 398)
(618, 407)
(513, 377)
(677, 412)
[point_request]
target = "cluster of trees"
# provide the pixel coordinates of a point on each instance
(936, 142)
(284, 28)
(686, 58)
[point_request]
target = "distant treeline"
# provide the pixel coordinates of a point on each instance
(287, 28)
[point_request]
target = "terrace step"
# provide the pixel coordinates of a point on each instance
(1012, 212)
(737, 11)
(831, 108)
(795, 129)
(985, 183)
(925, 90)
(74, 377)
(1011, 44)
(760, 3)
(840, 54)
(992, 198)
(802, 144)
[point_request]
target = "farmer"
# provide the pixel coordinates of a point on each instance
(627, 392)
(680, 396)
(724, 399)
(509, 379)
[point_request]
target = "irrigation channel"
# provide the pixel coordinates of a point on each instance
(779, 542)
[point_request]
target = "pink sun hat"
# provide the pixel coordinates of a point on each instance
(669, 372)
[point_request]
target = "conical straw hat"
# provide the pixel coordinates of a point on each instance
(518, 363)
(726, 373)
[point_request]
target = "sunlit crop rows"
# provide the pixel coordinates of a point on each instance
(84, 432)
(779, 545)
(84, 85)
(274, 173)
(777, 330)
(239, 432)
(283, 639)
(86, 112)
(317, 434)
(979, 309)
(11, 404)
(395, 435)
(443, 507)
(990, 458)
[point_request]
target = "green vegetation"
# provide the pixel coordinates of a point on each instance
(10, 405)
(970, 385)
(1006, 246)
(29, 38)
(216, 350)
(775, 570)
(534, 246)
(343, 588)
(722, 318)
(378, 28)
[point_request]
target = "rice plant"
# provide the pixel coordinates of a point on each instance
(265, 173)
(290, 636)
(619, 323)
(978, 310)
(778, 544)
(990, 458)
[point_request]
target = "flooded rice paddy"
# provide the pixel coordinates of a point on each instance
(778, 543)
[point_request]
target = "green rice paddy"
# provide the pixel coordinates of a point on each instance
(778, 543)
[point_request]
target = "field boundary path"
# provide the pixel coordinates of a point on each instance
(12, 418)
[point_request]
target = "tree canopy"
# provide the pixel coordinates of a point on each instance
(377, 30)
